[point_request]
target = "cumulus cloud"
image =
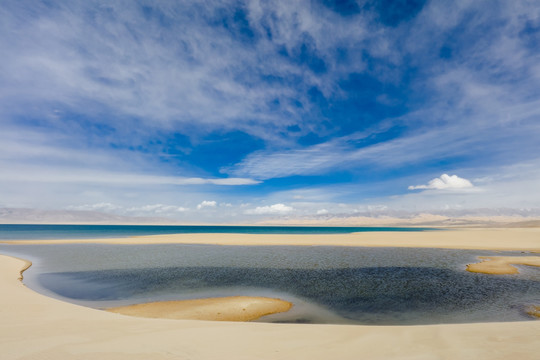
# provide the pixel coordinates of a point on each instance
(269, 210)
(206, 203)
(444, 182)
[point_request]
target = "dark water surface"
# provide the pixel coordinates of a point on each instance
(327, 284)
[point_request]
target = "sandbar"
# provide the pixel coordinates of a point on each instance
(534, 311)
(502, 265)
(33, 326)
(232, 308)
(523, 239)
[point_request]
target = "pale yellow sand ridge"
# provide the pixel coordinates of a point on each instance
(488, 239)
(500, 265)
(233, 308)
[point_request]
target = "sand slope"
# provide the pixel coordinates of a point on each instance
(33, 326)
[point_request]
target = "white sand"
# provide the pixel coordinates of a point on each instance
(492, 239)
(33, 326)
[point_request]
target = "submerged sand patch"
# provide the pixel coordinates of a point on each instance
(502, 265)
(232, 308)
(534, 311)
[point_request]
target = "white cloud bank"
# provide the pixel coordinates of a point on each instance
(144, 209)
(158, 208)
(444, 182)
(270, 210)
(104, 206)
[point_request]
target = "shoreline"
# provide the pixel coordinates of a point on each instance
(36, 326)
(521, 239)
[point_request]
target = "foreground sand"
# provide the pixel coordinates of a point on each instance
(33, 326)
(486, 239)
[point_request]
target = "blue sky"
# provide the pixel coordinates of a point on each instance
(237, 111)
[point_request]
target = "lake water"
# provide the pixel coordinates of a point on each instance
(33, 232)
(380, 286)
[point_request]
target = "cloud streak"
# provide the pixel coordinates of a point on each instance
(84, 176)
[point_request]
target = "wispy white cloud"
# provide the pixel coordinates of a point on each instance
(340, 154)
(77, 175)
(133, 60)
(161, 209)
(165, 210)
(106, 207)
(444, 182)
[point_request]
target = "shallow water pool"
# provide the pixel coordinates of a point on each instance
(382, 286)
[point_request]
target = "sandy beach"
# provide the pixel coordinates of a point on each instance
(522, 239)
(34, 326)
